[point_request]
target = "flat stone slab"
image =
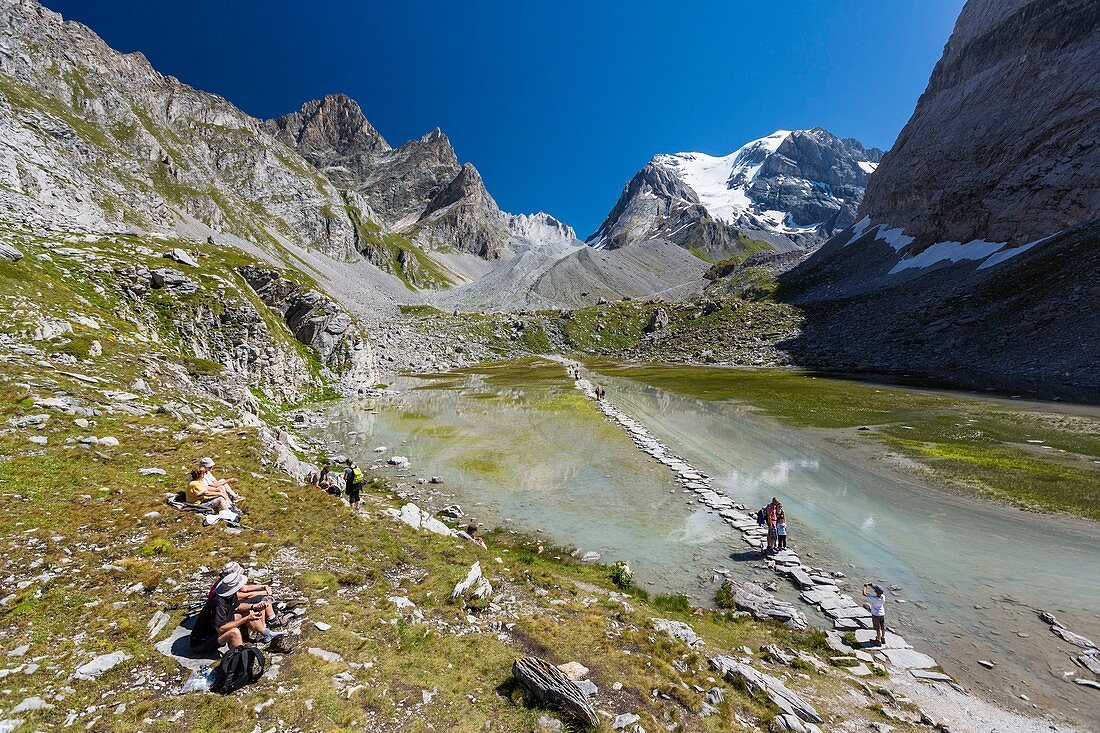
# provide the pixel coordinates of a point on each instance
(893, 641)
(924, 674)
(909, 659)
(799, 576)
(852, 612)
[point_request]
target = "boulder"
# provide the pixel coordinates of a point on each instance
(475, 584)
(180, 256)
(173, 280)
(453, 511)
(758, 682)
(574, 670)
(678, 630)
(10, 253)
(658, 321)
(548, 686)
(623, 720)
(99, 665)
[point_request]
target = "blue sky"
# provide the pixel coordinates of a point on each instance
(556, 103)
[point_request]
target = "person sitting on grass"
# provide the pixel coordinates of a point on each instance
(250, 593)
(207, 465)
(226, 619)
(471, 530)
(324, 480)
(202, 495)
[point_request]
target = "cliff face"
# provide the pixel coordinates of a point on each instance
(976, 255)
(1004, 144)
(405, 188)
(93, 138)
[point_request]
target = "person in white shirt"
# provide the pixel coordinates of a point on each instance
(876, 604)
(207, 465)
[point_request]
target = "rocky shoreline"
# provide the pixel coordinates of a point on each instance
(821, 588)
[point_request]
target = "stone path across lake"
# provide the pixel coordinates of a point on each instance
(819, 587)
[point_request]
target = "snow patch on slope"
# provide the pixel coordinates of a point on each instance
(977, 250)
(722, 183)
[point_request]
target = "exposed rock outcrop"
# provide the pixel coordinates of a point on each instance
(465, 216)
(419, 189)
(1003, 145)
(91, 138)
(977, 258)
(317, 321)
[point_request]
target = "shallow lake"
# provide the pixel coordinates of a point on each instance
(519, 446)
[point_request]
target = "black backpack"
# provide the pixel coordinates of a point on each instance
(241, 665)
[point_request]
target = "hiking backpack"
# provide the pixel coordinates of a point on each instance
(356, 476)
(762, 516)
(241, 665)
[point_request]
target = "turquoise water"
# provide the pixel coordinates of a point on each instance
(537, 457)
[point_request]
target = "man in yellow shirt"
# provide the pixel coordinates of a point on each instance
(208, 497)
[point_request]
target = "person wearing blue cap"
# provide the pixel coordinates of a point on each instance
(876, 604)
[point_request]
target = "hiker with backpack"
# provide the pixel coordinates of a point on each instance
(771, 514)
(227, 619)
(353, 483)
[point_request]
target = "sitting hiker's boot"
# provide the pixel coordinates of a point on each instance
(267, 635)
(277, 622)
(280, 644)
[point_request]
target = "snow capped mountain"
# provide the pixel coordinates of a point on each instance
(791, 189)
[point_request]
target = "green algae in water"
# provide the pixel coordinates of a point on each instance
(973, 445)
(479, 467)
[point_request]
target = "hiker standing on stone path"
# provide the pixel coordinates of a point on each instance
(353, 483)
(876, 604)
(781, 527)
(771, 517)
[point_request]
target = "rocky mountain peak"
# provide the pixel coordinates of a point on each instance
(334, 123)
(467, 183)
(538, 226)
(463, 215)
(333, 134)
(791, 189)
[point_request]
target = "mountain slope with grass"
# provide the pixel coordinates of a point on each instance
(120, 366)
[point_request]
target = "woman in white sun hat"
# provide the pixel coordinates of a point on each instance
(206, 465)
